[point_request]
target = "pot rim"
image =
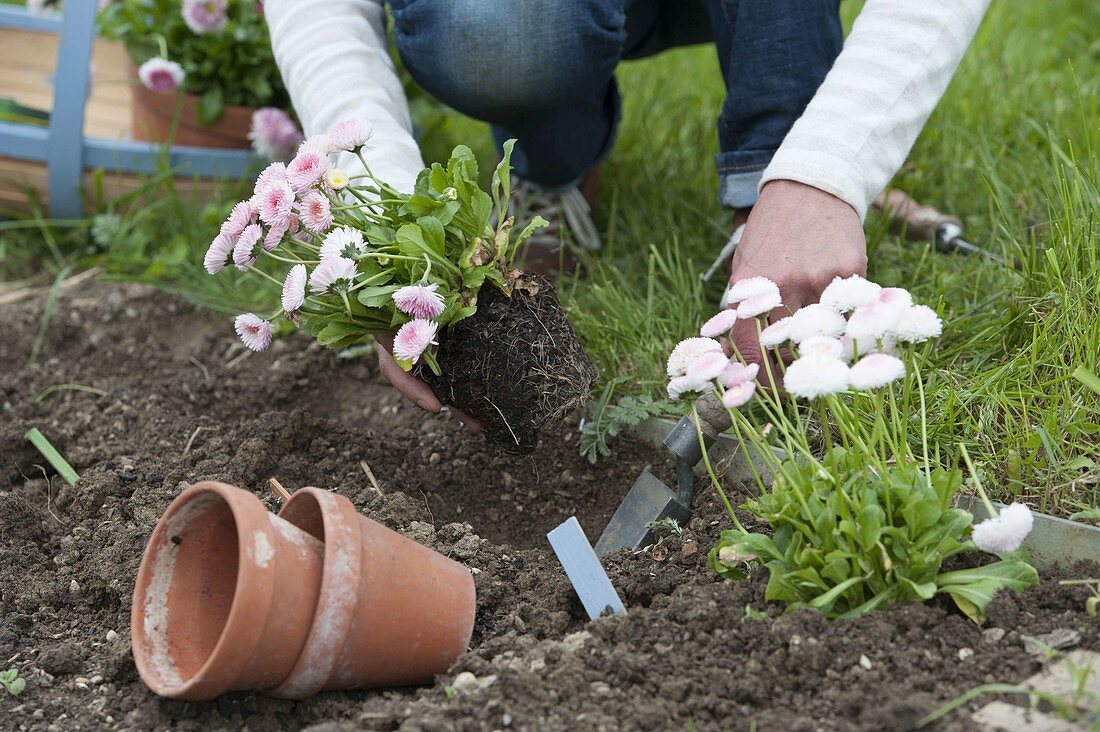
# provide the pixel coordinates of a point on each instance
(341, 588)
(255, 585)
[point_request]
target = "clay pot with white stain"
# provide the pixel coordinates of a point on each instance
(230, 596)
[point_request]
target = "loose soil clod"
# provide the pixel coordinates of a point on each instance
(516, 365)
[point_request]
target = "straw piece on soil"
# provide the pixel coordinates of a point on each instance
(277, 488)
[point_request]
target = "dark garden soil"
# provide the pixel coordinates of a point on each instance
(185, 403)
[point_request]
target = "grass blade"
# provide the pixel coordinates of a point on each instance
(68, 387)
(53, 457)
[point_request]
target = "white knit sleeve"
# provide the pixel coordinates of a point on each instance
(334, 61)
(895, 66)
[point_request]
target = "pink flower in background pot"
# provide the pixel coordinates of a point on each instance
(205, 16)
(273, 134)
(232, 597)
(161, 75)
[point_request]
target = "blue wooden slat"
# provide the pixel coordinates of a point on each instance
(14, 16)
(584, 569)
(66, 149)
(23, 142)
(140, 157)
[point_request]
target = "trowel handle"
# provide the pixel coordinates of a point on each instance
(714, 418)
(917, 221)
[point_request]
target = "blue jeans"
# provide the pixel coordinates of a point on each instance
(542, 71)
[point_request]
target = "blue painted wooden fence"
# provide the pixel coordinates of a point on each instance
(62, 145)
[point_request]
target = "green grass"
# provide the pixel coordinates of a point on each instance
(1013, 149)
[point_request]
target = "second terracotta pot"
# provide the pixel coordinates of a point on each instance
(230, 596)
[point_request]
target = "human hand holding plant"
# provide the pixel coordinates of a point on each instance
(800, 238)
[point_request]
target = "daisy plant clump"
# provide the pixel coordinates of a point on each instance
(218, 50)
(859, 514)
(353, 257)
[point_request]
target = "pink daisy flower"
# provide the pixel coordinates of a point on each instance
(751, 287)
(320, 144)
(719, 325)
(848, 293)
(419, 301)
(241, 216)
(272, 174)
(816, 319)
(315, 212)
(777, 333)
(811, 377)
(413, 338)
(739, 395)
(219, 255)
(275, 236)
(708, 366)
(205, 16)
(343, 242)
(274, 134)
(738, 373)
(917, 324)
(307, 167)
(294, 289)
(686, 351)
(255, 332)
(248, 246)
(759, 305)
(351, 134)
(161, 75)
(276, 203)
(334, 274)
(680, 385)
(897, 297)
(825, 346)
(875, 371)
(868, 323)
(1006, 531)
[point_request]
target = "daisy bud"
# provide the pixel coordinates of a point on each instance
(419, 301)
(776, 333)
(337, 179)
(848, 293)
(719, 325)
(219, 255)
(816, 320)
(811, 377)
(351, 134)
(413, 338)
(275, 236)
(248, 247)
(319, 143)
(686, 351)
(161, 75)
(707, 366)
(739, 395)
(255, 332)
(738, 373)
(294, 289)
(272, 174)
(824, 346)
(315, 212)
(332, 275)
(1005, 532)
(917, 324)
(343, 242)
(875, 371)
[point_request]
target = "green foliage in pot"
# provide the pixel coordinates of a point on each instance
(222, 46)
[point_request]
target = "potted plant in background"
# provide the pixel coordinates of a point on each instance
(210, 58)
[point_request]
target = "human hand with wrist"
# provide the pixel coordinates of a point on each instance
(800, 237)
(409, 384)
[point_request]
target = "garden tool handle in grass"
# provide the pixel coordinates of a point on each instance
(916, 220)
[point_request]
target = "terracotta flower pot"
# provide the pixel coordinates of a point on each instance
(230, 596)
(151, 120)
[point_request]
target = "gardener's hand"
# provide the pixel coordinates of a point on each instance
(415, 390)
(801, 238)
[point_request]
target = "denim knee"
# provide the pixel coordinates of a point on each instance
(494, 59)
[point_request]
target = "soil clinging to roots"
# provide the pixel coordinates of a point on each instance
(516, 365)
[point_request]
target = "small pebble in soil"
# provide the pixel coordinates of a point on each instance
(993, 635)
(865, 662)
(74, 588)
(1058, 639)
(965, 653)
(111, 635)
(467, 683)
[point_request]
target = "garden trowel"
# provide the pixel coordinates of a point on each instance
(649, 499)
